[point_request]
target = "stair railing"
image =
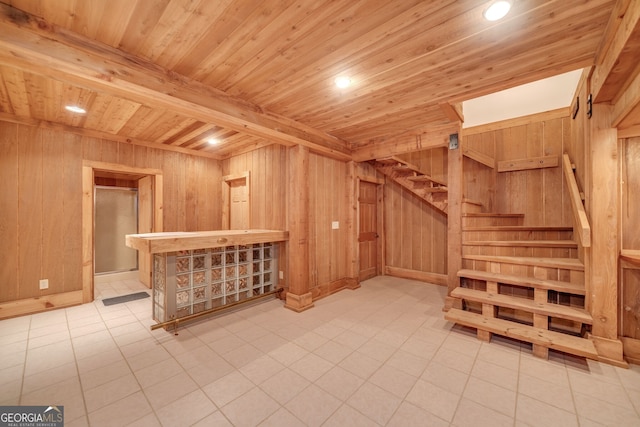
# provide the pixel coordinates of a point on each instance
(581, 225)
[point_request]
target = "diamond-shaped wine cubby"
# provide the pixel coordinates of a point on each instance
(190, 281)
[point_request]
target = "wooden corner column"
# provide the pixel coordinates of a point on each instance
(603, 291)
(298, 297)
(454, 222)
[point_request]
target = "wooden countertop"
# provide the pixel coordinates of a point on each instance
(176, 241)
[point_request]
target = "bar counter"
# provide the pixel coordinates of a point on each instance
(194, 272)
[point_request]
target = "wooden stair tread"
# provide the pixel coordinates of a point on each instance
(395, 168)
(563, 263)
(405, 168)
(523, 243)
(554, 340)
(492, 215)
(391, 160)
(544, 308)
(515, 228)
(529, 282)
(426, 178)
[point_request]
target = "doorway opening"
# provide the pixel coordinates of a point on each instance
(148, 183)
(115, 216)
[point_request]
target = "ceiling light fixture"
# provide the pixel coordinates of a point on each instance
(213, 141)
(75, 109)
(343, 82)
(497, 10)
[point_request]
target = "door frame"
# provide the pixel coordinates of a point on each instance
(380, 258)
(89, 169)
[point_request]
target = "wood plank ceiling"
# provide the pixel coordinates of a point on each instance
(243, 71)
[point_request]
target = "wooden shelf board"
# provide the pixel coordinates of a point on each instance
(554, 340)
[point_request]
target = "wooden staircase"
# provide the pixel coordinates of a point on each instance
(522, 282)
(410, 177)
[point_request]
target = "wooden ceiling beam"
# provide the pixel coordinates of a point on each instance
(43, 124)
(453, 111)
(618, 56)
(32, 44)
(627, 103)
(406, 143)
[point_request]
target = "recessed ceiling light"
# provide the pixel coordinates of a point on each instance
(497, 10)
(343, 82)
(213, 141)
(75, 109)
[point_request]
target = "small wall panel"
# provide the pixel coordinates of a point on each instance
(72, 211)
(53, 211)
(9, 282)
(29, 205)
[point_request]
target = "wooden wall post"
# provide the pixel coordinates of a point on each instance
(454, 222)
(352, 227)
(603, 292)
(298, 297)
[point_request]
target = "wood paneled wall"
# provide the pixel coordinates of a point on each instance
(268, 176)
(328, 201)
(630, 176)
(41, 202)
(540, 194)
(416, 233)
(480, 179)
(630, 237)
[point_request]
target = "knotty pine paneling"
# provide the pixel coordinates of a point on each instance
(540, 194)
(41, 202)
(416, 233)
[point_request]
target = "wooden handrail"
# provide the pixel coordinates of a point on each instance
(581, 222)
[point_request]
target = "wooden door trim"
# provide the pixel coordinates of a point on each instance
(379, 222)
(226, 197)
(89, 169)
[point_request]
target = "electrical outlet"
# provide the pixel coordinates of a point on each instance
(44, 284)
(335, 225)
(281, 274)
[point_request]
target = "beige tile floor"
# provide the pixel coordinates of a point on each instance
(379, 355)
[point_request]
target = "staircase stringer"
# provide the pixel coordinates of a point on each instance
(412, 179)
